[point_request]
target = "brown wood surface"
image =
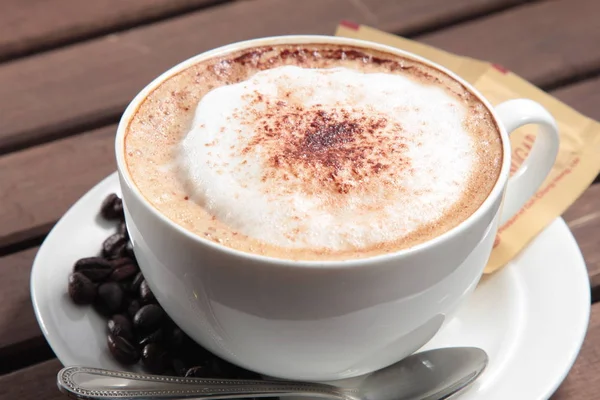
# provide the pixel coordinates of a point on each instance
(583, 218)
(547, 42)
(94, 80)
(33, 25)
(409, 17)
(21, 340)
(585, 94)
(45, 180)
(33, 383)
(17, 321)
(583, 381)
(79, 90)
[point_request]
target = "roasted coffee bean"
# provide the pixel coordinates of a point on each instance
(174, 339)
(135, 284)
(122, 350)
(114, 246)
(199, 371)
(112, 207)
(123, 272)
(120, 325)
(95, 268)
(81, 289)
(118, 208)
(122, 229)
(154, 337)
(119, 262)
(109, 298)
(155, 358)
(146, 295)
(148, 318)
(178, 367)
(129, 250)
(133, 307)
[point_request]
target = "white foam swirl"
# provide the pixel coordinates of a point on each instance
(327, 158)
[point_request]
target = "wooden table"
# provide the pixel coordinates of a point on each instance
(69, 67)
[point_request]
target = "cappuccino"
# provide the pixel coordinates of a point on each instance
(314, 151)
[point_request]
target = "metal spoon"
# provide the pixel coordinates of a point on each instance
(430, 375)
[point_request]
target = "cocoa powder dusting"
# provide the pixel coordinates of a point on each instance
(342, 149)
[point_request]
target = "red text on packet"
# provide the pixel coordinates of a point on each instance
(350, 25)
(520, 153)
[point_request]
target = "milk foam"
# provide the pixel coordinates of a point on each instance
(327, 158)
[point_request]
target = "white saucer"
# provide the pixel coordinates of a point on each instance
(531, 317)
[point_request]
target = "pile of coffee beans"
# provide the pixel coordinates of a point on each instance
(137, 328)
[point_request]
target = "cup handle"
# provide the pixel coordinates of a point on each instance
(536, 167)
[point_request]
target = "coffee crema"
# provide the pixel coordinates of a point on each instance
(313, 151)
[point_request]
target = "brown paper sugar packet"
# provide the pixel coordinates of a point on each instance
(578, 160)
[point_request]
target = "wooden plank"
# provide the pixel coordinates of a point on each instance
(27, 26)
(42, 184)
(583, 218)
(39, 381)
(32, 383)
(583, 381)
(428, 15)
(21, 340)
(17, 321)
(83, 86)
(546, 43)
(584, 96)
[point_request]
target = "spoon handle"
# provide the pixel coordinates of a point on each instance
(100, 384)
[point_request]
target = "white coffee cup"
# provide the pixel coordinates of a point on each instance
(326, 320)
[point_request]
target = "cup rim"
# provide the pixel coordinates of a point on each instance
(464, 225)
